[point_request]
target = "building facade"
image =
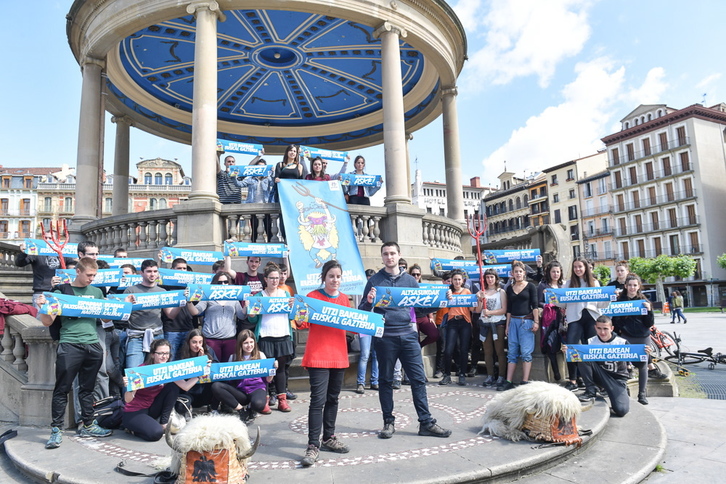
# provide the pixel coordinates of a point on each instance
(597, 229)
(508, 213)
(431, 196)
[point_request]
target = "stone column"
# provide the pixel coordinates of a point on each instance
(409, 192)
(452, 156)
(204, 107)
(121, 165)
(89, 147)
(394, 125)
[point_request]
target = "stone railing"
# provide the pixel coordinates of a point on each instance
(151, 229)
(27, 372)
(7, 257)
(441, 233)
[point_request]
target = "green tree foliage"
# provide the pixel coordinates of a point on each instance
(654, 271)
(602, 273)
(721, 261)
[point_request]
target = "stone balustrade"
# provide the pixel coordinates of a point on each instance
(7, 257)
(441, 233)
(147, 230)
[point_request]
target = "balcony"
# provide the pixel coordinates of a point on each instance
(599, 232)
(665, 225)
(595, 211)
(659, 200)
(654, 150)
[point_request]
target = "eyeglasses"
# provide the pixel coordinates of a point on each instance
(223, 282)
(161, 354)
(416, 274)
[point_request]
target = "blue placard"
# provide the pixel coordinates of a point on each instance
(247, 249)
(239, 370)
(171, 277)
(250, 170)
(104, 277)
(155, 300)
(409, 297)
(121, 261)
(582, 353)
(361, 180)
(311, 310)
(469, 266)
(129, 280)
(310, 152)
(152, 375)
(499, 256)
(580, 294)
(39, 247)
(217, 292)
(83, 307)
(625, 308)
(268, 305)
(319, 229)
(237, 147)
(202, 257)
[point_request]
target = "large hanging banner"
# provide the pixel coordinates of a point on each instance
(239, 370)
(203, 257)
(155, 300)
(83, 307)
(171, 277)
(360, 180)
(625, 308)
(121, 261)
(250, 170)
(152, 375)
(217, 292)
(268, 305)
(104, 277)
(237, 147)
(409, 297)
(247, 249)
(499, 256)
(580, 294)
(581, 353)
(318, 229)
(39, 247)
(310, 310)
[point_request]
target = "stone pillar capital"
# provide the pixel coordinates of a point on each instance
(122, 120)
(450, 91)
(212, 6)
(389, 27)
(93, 61)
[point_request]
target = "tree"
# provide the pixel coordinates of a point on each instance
(654, 271)
(603, 274)
(721, 261)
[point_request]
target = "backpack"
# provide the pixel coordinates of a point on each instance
(550, 340)
(55, 328)
(109, 412)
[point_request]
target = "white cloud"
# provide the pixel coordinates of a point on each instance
(708, 80)
(652, 89)
(469, 14)
(526, 37)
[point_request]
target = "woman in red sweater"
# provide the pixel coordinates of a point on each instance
(326, 358)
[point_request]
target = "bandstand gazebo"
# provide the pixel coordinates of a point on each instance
(332, 74)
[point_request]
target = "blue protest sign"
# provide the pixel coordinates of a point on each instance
(310, 310)
(319, 229)
(202, 257)
(39, 247)
(239, 370)
(580, 294)
(409, 297)
(360, 180)
(155, 300)
(310, 152)
(237, 147)
(267, 305)
(581, 353)
(510, 255)
(247, 249)
(121, 261)
(217, 292)
(250, 170)
(82, 307)
(171, 277)
(625, 308)
(104, 277)
(129, 280)
(152, 375)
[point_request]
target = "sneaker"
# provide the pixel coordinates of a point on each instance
(507, 385)
(587, 396)
(405, 381)
(374, 386)
(570, 386)
(290, 395)
(244, 414)
(433, 430)
(334, 445)
(656, 374)
(438, 374)
(446, 380)
(94, 430)
(360, 389)
(500, 381)
(489, 381)
(396, 384)
(580, 383)
(525, 382)
(471, 373)
(462, 380)
(388, 430)
(311, 455)
(641, 399)
(56, 437)
(273, 400)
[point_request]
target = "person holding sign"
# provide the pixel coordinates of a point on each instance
(147, 410)
(636, 330)
(258, 191)
(195, 345)
(458, 330)
(44, 267)
(492, 322)
(358, 194)
(326, 358)
(79, 354)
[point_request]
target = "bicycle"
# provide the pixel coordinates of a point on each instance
(661, 340)
(681, 358)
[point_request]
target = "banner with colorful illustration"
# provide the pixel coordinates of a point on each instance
(625, 308)
(319, 229)
(129, 280)
(409, 297)
(104, 277)
(155, 300)
(267, 305)
(239, 370)
(172, 277)
(469, 266)
(247, 249)
(250, 170)
(360, 180)
(310, 152)
(83, 307)
(152, 375)
(39, 247)
(237, 147)
(580, 294)
(122, 261)
(582, 353)
(310, 310)
(202, 257)
(217, 292)
(499, 256)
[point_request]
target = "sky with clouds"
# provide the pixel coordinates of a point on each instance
(545, 80)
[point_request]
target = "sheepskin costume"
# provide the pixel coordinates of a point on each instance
(208, 449)
(536, 411)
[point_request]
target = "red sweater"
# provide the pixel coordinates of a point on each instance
(326, 347)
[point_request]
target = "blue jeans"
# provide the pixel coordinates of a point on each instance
(134, 351)
(367, 351)
(176, 339)
(521, 339)
(408, 350)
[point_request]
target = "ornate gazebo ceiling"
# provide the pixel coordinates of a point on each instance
(283, 76)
